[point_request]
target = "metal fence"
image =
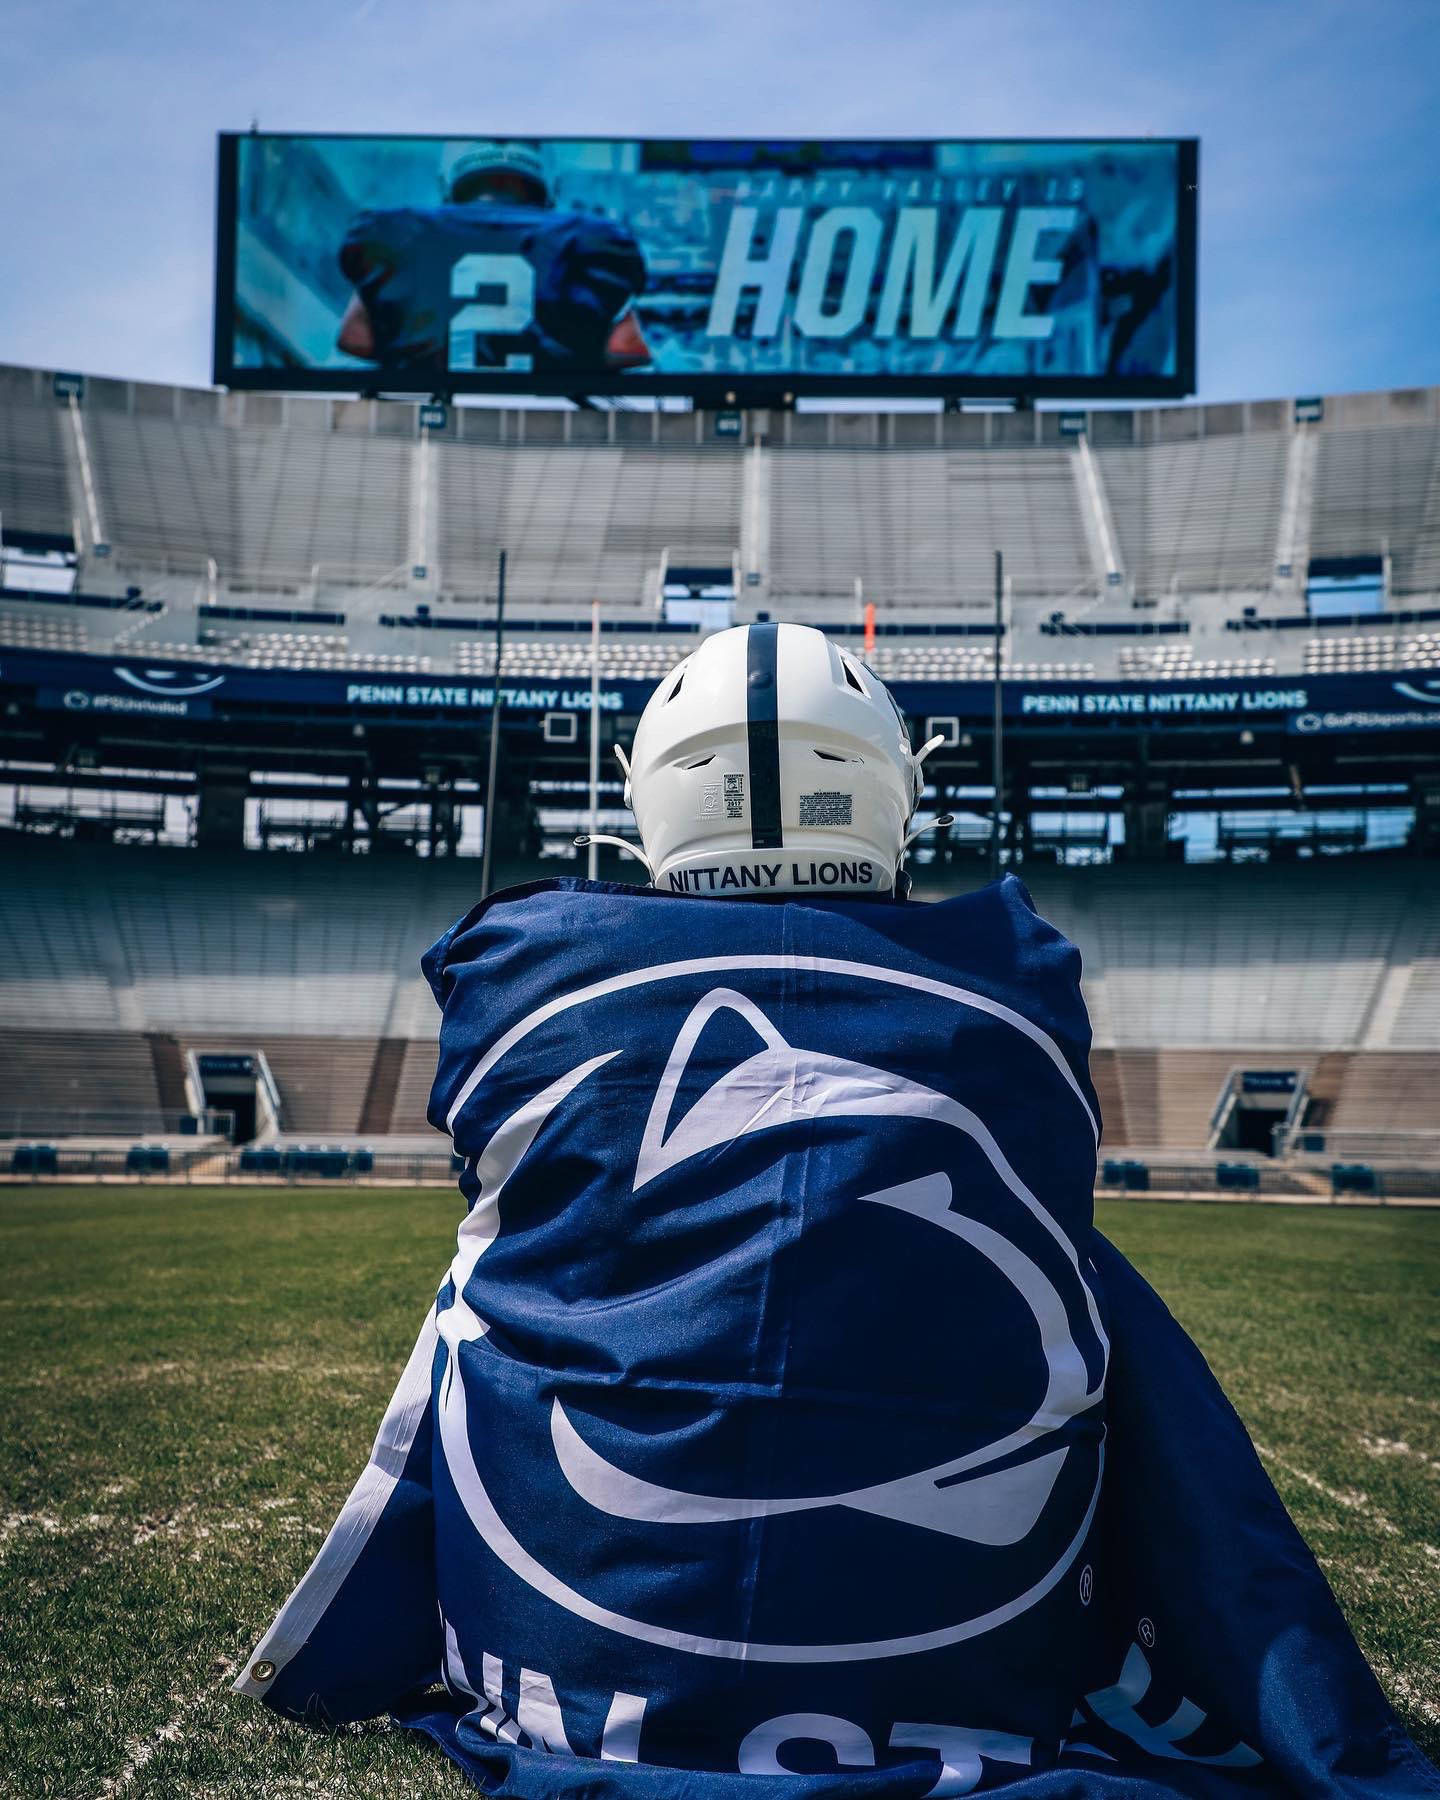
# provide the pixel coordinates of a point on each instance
(1317, 1182)
(41, 1162)
(1302, 1181)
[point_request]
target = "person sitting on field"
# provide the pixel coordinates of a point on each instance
(782, 1425)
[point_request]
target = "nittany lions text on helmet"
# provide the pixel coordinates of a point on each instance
(772, 762)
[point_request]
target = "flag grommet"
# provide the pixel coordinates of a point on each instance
(262, 1671)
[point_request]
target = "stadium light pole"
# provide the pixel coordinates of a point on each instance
(485, 857)
(592, 854)
(997, 757)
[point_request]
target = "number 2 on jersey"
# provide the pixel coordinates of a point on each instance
(514, 276)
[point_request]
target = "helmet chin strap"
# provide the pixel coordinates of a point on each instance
(601, 837)
(941, 822)
(624, 762)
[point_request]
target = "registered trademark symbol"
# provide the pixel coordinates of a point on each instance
(1087, 1584)
(1146, 1629)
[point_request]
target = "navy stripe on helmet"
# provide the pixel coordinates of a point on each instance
(763, 736)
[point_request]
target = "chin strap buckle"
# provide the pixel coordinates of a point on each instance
(941, 822)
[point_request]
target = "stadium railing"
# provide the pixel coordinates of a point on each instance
(72, 1122)
(1350, 1144)
(1322, 1182)
(1301, 1182)
(37, 1161)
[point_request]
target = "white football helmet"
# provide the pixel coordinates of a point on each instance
(467, 164)
(770, 761)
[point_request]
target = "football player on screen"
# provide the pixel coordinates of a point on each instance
(495, 277)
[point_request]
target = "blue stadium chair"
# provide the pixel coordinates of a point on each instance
(148, 1159)
(1353, 1178)
(326, 1161)
(1133, 1177)
(1237, 1175)
(34, 1159)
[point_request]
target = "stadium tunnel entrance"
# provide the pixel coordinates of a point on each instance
(238, 1082)
(1253, 1104)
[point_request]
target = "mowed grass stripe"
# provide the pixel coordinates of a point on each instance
(193, 1379)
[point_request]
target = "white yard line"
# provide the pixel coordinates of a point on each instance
(139, 1751)
(16, 1524)
(1350, 1498)
(1402, 1688)
(1383, 1446)
(164, 1525)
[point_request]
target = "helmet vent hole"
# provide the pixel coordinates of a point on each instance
(700, 762)
(676, 689)
(833, 756)
(852, 677)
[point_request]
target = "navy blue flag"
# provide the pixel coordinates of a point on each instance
(782, 1425)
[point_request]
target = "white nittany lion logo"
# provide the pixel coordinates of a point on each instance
(172, 683)
(1428, 691)
(992, 1496)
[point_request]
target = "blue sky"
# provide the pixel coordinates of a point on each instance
(1320, 216)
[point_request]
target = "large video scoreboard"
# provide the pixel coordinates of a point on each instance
(731, 271)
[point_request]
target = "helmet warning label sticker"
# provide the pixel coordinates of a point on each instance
(734, 796)
(826, 809)
(710, 800)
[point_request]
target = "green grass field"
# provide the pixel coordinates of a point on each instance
(192, 1379)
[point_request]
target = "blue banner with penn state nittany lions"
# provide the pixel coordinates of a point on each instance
(782, 1426)
(707, 266)
(150, 688)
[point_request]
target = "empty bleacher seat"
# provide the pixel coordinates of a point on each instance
(33, 629)
(1189, 972)
(1379, 487)
(260, 1159)
(1201, 515)
(147, 1159)
(34, 1159)
(923, 525)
